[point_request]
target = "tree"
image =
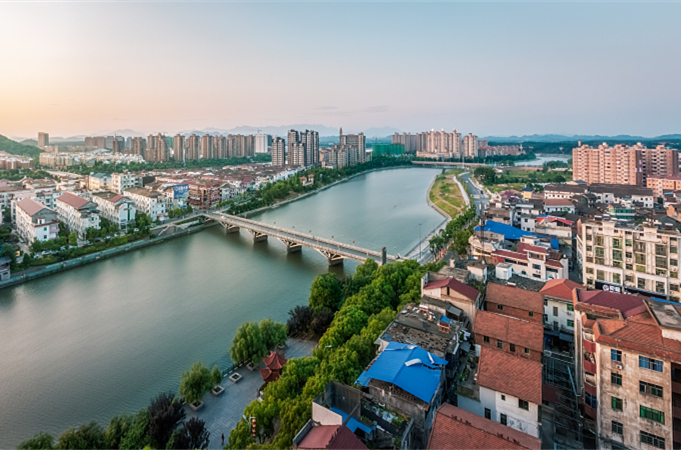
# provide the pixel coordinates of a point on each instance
(248, 344)
(118, 427)
(321, 321)
(165, 412)
(73, 238)
(89, 436)
(299, 320)
(195, 383)
(485, 173)
(192, 435)
(137, 435)
(273, 333)
(326, 292)
(41, 441)
(216, 376)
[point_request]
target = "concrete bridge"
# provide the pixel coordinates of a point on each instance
(334, 251)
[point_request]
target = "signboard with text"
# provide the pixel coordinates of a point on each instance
(617, 289)
(181, 191)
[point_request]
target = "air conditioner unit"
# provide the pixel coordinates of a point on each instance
(619, 366)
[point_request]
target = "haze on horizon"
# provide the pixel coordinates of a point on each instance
(487, 68)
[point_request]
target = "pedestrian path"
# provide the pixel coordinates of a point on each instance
(222, 413)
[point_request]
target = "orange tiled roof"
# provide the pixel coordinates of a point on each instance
(458, 429)
(510, 329)
(560, 288)
(512, 375)
(515, 297)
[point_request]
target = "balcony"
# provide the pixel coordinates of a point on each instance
(589, 346)
(591, 368)
(590, 412)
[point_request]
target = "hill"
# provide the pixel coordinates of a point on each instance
(15, 148)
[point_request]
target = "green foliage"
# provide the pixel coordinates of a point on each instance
(326, 293)
(118, 427)
(248, 344)
(195, 383)
(165, 412)
(321, 321)
(15, 148)
(4, 234)
(273, 333)
(300, 318)
(216, 375)
(137, 435)
(486, 174)
(41, 441)
(89, 436)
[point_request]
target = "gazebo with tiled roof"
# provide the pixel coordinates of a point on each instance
(273, 365)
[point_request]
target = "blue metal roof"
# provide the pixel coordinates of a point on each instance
(353, 423)
(508, 231)
(421, 379)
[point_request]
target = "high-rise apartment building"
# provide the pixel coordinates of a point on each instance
(138, 146)
(278, 152)
(262, 143)
(470, 146)
(118, 145)
(207, 146)
(355, 146)
(178, 148)
(311, 141)
(623, 164)
(431, 142)
(219, 147)
(193, 147)
(43, 139)
(303, 148)
(95, 142)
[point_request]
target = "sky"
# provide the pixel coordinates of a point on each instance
(487, 68)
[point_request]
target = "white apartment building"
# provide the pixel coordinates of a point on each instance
(77, 213)
(99, 182)
(120, 182)
(262, 143)
(626, 258)
(151, 203)
(36, 221)
(115, 208)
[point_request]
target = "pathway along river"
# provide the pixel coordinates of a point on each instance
(103, 339)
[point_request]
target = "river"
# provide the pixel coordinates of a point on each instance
(103, 339)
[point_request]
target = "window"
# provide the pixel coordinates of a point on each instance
(500, 306)
(590, 400)
(616, 355)
(660, 250)
(640, 258)
(570, 307)
(674, 287)
(628, 255)
(600, 253)
(641, 283)
(590, 270)
(659, 287)
(640, 247)
(629, 278)
(570, 323)
(652, 389)
(503, 397)
(652, 414)
(555, 310)
(527, 351)
(503, 420)
(616, 403)
(627, 242)
(616, 243)
(488, 413)
(599, 240)
(600, 275)
(650, 364)
(617, 255)
(522, 404)
(616, 379)
(511, 347)
(616, 278)
(661, 261)
(500, 344)
(617, 428)
(651, 439)
(536, 266)
(486, 339)
(673, 262)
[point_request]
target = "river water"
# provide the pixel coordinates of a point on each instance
(102, 339)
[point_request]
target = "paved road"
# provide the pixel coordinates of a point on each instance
(481, 201)
(221, 414)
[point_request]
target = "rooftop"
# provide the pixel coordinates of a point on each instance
(507, 231)
(628, 305)
(560, 288)
(515, 297)
(501, 372)
(331, 437)
(73, 200)
(455, 285)
(510, 329)
(457, 429)
(31, 207)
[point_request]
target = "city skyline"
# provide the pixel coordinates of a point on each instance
(415, 67)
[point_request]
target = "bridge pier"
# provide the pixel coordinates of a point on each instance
(257, 236)
(230, 228)
(334, 259)
(291, 247)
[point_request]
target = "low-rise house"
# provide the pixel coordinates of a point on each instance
(515, 302)
(408, 380)
(552, 205)
(559, 313)
(115, 208)
(99, 182)
(77, 213)
(563, 191)
(507, 389)
(36, 221)
(617, 193)
(451, 291)
(457, 429)
(150, 203)
(507, 334)
(120, 182)
(534, 258)
(555, 227)
(204, 195)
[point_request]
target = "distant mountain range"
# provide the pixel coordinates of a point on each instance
(564, 138)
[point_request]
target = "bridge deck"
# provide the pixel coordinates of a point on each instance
(324, 245)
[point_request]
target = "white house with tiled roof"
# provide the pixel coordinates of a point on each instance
(36, 221)
(77, 213)
(115, 208)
